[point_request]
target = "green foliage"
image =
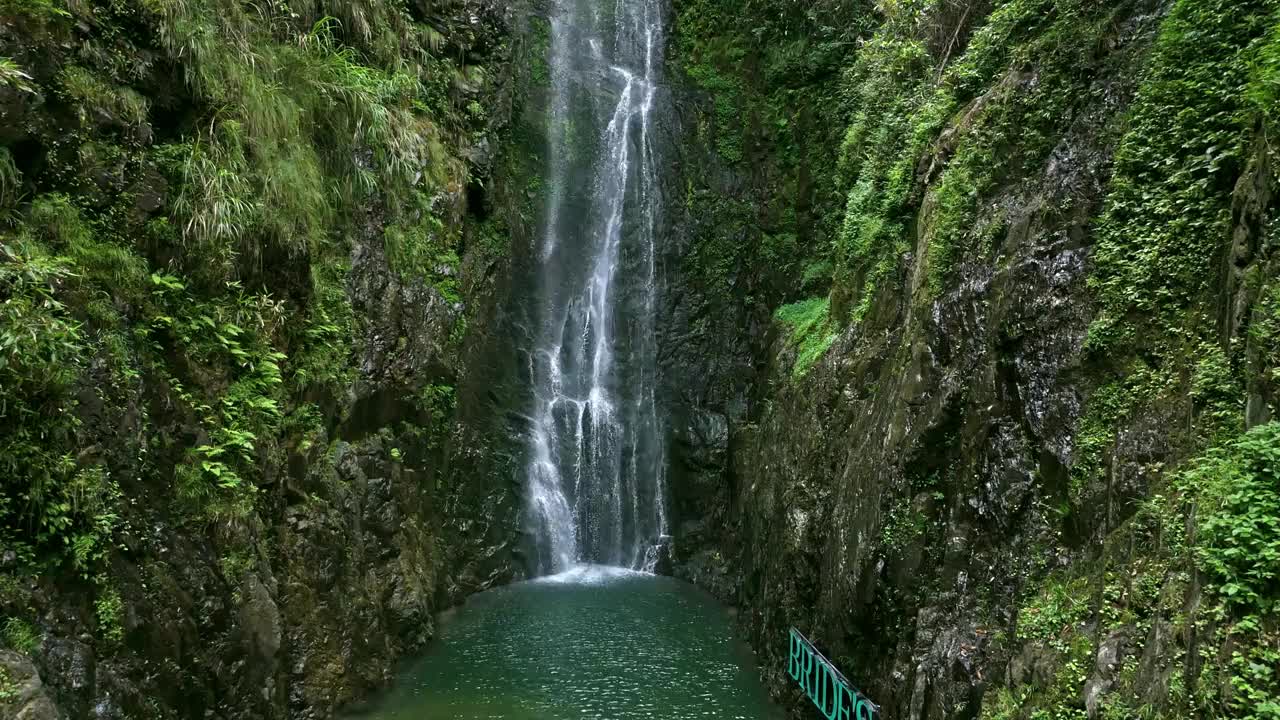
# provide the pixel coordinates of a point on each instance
(1061, 605)
(218, 198)
(1238, 489)
(436, 403)
(1264, 329)
(817, 275)
(1167, 214)
(540, 53)
(1253, 673)
(1000, 127)
(50, 501)
(325, 357)
(102, 267)
(877, 166)
(811, 331)
(19, 635)
(86, 517)
(725, 91)
(301, 127)
(10, 187)
(1217, 393)
(769, 75)
(42, 11)
(903, 525)
(1167, 217)
(1264, 81)
(38, 339)
(718, 255)
(233, 333)
(170, 312)
(10, 589)
(493, 237)
(108, 608)
(13, 76)
(1169, 207)
(97, 97)
(1001, 704)
(422, 252)
(1229, 499)
(1109, 407)
(1055, 619)
(236, 564)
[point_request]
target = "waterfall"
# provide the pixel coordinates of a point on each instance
(596, 463)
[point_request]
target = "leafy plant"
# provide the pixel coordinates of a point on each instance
(108, 608)
(1238, 488)
(14, 76)
(436, 402)
(95, 96)
(1168, 208)
(19, 635)
(811, 331)
(40, 10)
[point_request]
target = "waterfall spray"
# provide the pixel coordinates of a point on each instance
(596, 463)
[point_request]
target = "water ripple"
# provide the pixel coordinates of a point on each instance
(592, 642)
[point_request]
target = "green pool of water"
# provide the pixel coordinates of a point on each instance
(596, 643)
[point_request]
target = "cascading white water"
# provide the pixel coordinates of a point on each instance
(596, 463)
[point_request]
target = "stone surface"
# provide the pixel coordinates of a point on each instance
(893, 502)
(22, 694)
(385, 514)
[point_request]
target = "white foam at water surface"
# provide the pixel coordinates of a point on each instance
(591, 575)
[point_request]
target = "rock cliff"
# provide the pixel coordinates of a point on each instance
(979, 294)
(255, 267)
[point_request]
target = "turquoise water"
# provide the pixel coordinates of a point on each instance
(598, 643)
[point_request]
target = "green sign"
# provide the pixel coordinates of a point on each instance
(825, 686)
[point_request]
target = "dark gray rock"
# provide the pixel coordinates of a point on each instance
(24, 696)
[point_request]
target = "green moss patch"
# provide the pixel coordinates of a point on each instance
(811, 331)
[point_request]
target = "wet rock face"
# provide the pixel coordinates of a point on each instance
(901, 523)
(407, 330)
(361, 575)
(260, 633)
(24, 696)
(893, 503)
(699, 494)
(363, 540)
(390, 511)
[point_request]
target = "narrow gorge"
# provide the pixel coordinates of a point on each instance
(454, 359)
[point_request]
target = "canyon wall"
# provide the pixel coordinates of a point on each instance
(969, 344)
(256, 396)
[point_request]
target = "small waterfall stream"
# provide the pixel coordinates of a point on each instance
(596, 458)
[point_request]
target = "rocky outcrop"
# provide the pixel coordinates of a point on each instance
(22, 694)
(915, 500)
(382, 487)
